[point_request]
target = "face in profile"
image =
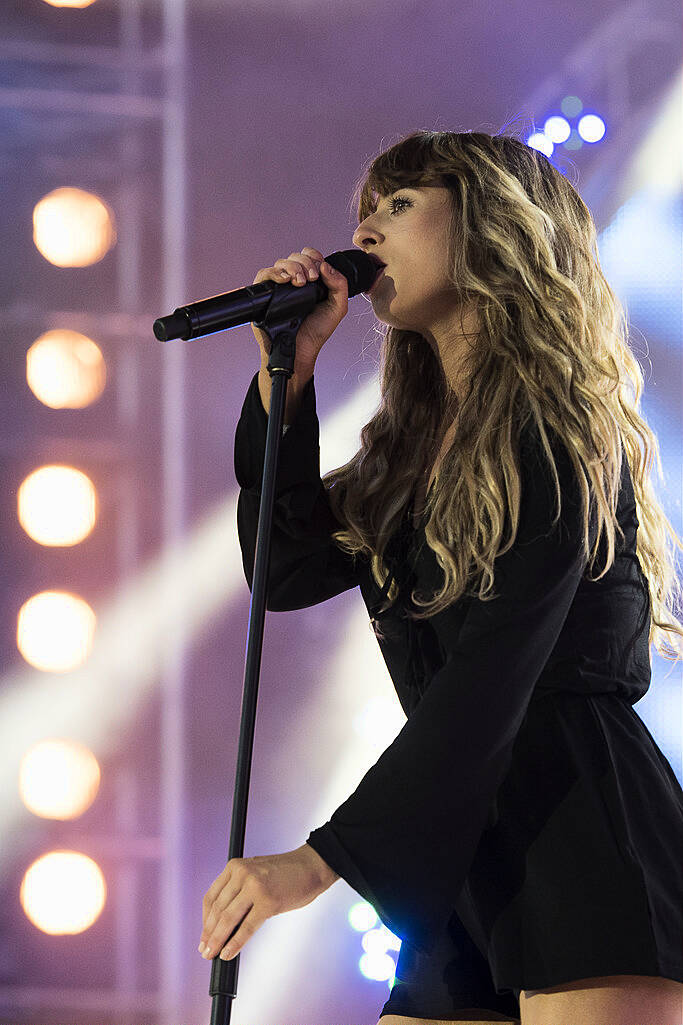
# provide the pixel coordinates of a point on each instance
(409, 232)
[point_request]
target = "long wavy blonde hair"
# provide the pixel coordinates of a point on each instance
(553, 351)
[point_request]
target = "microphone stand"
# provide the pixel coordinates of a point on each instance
(281, 319)
(281, 327)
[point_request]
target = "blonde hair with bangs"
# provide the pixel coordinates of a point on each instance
(552, 352)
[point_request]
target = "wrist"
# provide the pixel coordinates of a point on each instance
(325, 872)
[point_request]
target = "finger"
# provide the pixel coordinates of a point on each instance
(326, 270)
(218, 884)
(288, 270)
(307, 260)
(314, 253)
(270, 274)
(251, 923)
(219, 906)
(225, 925)
(212, 916)
(305, 264)
(207, 904)
(281, 272)
(333, 278)
(217, 897)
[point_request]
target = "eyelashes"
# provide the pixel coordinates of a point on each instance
(396, 205)
(399, 199)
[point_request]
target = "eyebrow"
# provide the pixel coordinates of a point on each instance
(401, 188)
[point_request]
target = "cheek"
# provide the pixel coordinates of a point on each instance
(427, 266)
(424, 281)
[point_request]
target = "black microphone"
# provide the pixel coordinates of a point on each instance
(251, 304)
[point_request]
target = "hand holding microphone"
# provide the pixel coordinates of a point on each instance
(316, 328)
(272, 292)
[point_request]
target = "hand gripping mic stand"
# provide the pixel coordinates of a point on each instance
(288, 307)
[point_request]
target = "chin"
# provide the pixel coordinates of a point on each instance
(387, 319)
(392, 320)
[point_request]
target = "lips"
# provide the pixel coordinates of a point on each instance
(374, 283)
(380, 265)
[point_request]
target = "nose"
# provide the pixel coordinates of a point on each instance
(364, 235)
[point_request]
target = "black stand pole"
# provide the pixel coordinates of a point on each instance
(282, 311)
(282, 333)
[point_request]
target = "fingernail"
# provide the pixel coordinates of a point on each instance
(207, 954)
(200, 948)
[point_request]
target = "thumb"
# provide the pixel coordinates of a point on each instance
(334, 279)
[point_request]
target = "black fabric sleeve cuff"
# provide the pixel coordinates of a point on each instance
(306, 565)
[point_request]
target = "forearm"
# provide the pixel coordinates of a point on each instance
(295, 386)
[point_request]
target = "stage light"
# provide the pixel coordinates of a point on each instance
(379, 941)
(557, 129)
(541, 142)
(55, 631)
(390, 940)
(362, 916)
(57, 505)
(591, 128)
(69, 3)
(571, 106)
(63, 893)
(379, 967)
(65, 369)
(73, 228)
(58, 779)
(574, 142)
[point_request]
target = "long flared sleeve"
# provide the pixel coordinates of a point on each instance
(406, 837)
(306, 566)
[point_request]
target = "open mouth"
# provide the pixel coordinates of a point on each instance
(380, 273)
(374, 283)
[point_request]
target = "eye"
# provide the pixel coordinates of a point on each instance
(399, 199)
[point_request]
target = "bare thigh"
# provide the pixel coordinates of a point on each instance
(478, 1018)
(608, 1000)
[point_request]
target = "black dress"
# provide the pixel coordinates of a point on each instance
(523, 829)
